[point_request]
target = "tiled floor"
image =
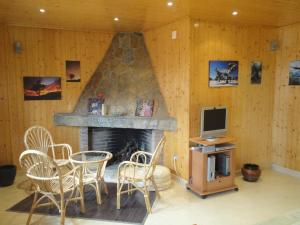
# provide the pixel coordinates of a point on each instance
(274, 195)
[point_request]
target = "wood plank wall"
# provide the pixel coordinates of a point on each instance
(181, 67)
(286, 126)
(250, 106)
(171, 61)
(44, 54)
(5, 134)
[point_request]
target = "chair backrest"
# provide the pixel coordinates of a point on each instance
(38, 138)
(155, 157)
(40, 168)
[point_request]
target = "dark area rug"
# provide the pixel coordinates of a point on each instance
(133, 209)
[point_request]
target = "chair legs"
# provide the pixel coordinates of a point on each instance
(98, 192)
(62, 210)
(144, 190)
(105, 187)
(146, 196)
(118, 195)
(81, 195)
(32, 208)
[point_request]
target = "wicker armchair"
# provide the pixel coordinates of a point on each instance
(138, 174)
(39, 138)
(50, 183)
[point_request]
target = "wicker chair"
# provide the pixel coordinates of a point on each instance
(50, 183)
(39, 138)
(138, 174)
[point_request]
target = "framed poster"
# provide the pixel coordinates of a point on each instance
(223, 73)
(72, 71)
(42, 88)
(294, 73)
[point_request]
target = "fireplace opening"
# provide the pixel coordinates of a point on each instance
(122, 143)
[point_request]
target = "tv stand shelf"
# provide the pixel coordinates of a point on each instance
(219, 140)
(199, 164)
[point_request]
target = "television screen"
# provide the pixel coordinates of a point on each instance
(214, 119)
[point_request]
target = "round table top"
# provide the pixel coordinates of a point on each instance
(90, 156)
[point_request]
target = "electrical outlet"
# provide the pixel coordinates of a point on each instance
(175, 157)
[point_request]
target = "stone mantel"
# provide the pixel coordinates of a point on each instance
(77, 120)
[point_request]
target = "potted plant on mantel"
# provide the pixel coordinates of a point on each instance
(7, 175)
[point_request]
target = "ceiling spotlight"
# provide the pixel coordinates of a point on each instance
(170, 4)
(235, 13)
(116, 19)
(42, 10)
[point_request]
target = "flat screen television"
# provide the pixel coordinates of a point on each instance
(213, 122)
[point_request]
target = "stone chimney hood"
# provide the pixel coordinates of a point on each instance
(124, 76)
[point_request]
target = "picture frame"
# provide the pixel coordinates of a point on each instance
(72, 71)
(42, 88)
(256, 72)
(294, 72)
(223, 73)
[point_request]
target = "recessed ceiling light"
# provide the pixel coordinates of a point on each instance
(235, 13)
(42, 10)
(116, 19)
(170, 4)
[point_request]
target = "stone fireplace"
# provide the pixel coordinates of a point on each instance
(124, 76)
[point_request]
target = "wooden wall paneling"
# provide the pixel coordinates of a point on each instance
(44, 54)
(5, 142)
(250, 106)
(171, 61)
(286, 151)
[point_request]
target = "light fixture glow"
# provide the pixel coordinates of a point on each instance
(235, 13)
(196, 24)
(170, 3)
(42, 10)
(116, 19)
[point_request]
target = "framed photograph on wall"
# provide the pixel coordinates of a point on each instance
(72, 71)
(42, 88)
(294, 73)
(223, 73)
(256, 72)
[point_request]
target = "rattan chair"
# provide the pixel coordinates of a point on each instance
(138, 174)
(39, 138)
(50, 183)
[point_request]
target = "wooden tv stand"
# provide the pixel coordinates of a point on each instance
(198, 168)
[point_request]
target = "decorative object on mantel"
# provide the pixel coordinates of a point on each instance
(144, 107)
(256, 72)
(251, 172)
(294, 74)
(73, 71)
(223, 73)
(95, 104)
(42, 88)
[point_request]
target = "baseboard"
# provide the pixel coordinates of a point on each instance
(285, 170)
(180, 180)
